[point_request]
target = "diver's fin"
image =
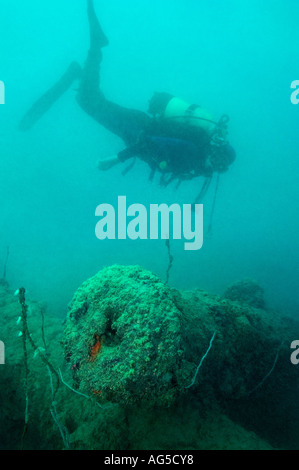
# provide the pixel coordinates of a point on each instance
(43, 104)
(98, 39)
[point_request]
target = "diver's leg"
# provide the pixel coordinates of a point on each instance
(89, 96)
(126, 123)
(89, 77)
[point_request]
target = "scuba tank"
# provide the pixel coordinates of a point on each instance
(168, 106)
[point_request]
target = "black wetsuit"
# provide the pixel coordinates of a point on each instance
(182, 149)
(164, 144)
(175, 149)
(171, 148)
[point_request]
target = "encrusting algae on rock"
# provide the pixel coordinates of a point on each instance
(139, 357)
(246, 291)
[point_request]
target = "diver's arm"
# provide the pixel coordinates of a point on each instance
(121, 157)
(108, 163)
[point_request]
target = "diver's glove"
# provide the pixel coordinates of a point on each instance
(108, 163)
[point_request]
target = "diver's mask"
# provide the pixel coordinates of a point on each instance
(221, 157)
(222, 154)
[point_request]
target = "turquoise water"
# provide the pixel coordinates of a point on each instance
(231, 57)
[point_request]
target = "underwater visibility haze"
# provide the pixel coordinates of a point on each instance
(142, 344)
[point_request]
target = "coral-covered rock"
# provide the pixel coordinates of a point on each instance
(246, 291)
(132, 340)
(123, 338)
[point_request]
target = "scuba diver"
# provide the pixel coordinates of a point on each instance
(178, 140)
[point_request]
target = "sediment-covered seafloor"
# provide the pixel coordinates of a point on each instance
(139, 365)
